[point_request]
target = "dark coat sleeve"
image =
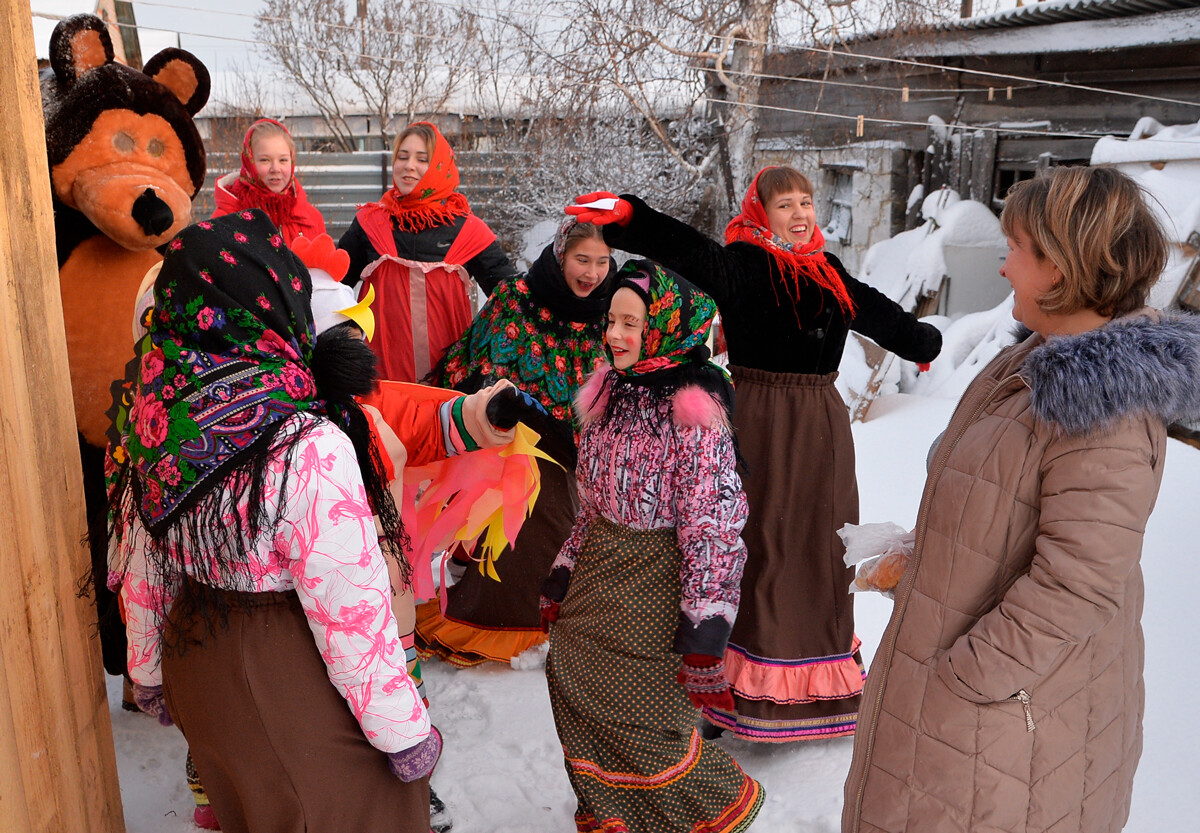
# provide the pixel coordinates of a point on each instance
(680, 248)
(362, 253)
(886, 323)
(490, 267)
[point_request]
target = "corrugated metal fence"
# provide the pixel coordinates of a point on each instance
(338, 182)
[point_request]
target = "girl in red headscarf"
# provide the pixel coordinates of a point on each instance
(268, 181)
(419, 247)
(787, 306)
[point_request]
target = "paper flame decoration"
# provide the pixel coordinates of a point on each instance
(481, 498)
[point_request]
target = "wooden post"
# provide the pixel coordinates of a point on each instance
(58, 769)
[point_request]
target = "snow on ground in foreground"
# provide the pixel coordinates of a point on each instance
(502, 769)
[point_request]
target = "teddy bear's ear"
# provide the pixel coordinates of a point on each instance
(182, 73)
(79, 44)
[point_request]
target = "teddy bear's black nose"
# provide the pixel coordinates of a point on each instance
(152, 214)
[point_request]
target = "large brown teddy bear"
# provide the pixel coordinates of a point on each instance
(125, 162)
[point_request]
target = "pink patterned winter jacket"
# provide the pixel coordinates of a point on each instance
(327, 551)
(686, 479)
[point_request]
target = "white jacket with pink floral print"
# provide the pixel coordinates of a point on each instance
(327, 551)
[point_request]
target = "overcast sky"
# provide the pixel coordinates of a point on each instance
(209, 29)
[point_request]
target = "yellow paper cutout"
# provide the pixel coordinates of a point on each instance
(362, 315)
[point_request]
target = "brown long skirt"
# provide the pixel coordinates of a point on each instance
(793, 657)
(633, 755)
(274, 743)
(487, 619)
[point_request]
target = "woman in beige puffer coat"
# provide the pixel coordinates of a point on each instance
(1006, 696)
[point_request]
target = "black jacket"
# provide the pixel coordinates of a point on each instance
(763, 328)
(430, 245)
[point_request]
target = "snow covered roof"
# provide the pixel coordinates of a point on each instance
(1060, 11)
(1049, 27)
(1150, 142)
(1045, 33)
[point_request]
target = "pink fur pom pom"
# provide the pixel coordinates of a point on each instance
(693, 406)
(587, 407)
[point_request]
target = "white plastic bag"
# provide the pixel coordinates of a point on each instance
(881, 552)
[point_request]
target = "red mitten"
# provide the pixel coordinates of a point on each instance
(549, 612)
(704, 678)
(621, 213)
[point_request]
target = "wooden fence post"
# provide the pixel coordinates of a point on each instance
(58, 770)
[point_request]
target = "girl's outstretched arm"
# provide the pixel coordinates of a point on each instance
(678, 247)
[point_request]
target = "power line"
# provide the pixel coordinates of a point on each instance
(999, 75)
(864, 119)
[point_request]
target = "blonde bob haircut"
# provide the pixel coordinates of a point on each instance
(1094, 224)
(781, 180)
(419, 129)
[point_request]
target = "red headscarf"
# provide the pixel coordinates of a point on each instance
(289, 210)
(805, 262)
(434, 200)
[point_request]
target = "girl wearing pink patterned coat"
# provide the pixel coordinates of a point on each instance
(255, 584)
(644, 592)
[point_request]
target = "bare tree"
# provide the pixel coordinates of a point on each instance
(242, 97)
(677, 79)
(554, 159)
(389, 60)
(698, 62)
(500, 66)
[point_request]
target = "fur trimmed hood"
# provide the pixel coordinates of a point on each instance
(691, 406)
(1148, 362)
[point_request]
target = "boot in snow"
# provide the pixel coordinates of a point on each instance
(439, 816)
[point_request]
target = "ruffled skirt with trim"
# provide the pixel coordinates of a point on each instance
(793, 658)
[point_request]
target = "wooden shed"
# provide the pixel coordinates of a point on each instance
(1020, 89)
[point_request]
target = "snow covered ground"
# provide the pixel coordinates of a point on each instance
(502, 769)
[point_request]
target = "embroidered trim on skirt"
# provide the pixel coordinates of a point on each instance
(633, 755)
(793, 660)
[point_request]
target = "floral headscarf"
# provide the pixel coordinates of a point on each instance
(559, 244)
(805, 262)
(678, 318)
(229, 359)
(434, 200)
(674, 350)
(231, 343)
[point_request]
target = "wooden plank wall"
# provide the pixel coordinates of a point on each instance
(58, 769)
(337, 183)
(1171, 71)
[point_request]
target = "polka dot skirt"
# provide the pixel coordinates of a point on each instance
(633, 755)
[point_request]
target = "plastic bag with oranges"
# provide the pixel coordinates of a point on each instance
(881, 553)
